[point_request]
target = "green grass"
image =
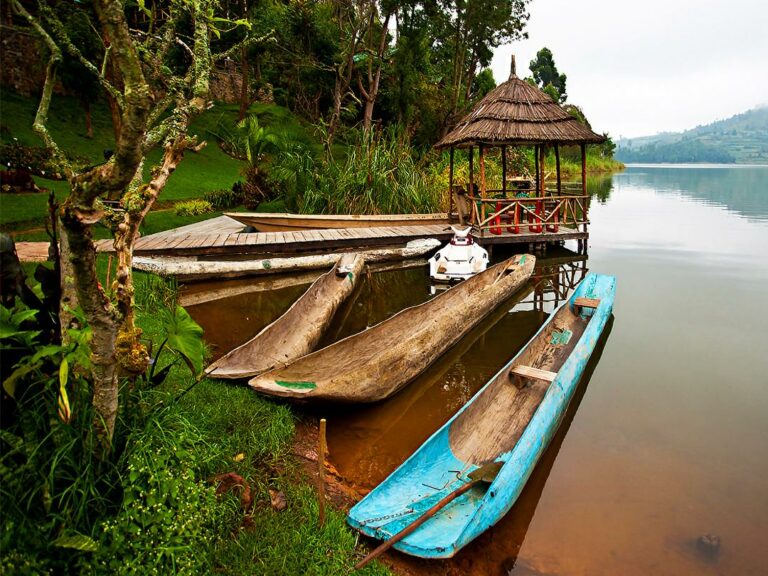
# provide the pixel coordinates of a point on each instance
(231, 420)
(199, 173)
(173, 455)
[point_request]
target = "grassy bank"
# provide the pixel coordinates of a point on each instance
(161, 513)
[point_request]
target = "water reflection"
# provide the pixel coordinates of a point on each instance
(367, 442)
(740, 189)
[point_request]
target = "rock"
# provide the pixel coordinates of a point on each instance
(278, 500)
(708, 545)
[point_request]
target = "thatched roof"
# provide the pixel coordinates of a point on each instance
(516, 113)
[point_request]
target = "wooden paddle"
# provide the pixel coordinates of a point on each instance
(485, 474)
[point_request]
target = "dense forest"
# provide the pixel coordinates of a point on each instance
(740, 139)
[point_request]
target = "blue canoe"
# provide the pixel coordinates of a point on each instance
(510, 421)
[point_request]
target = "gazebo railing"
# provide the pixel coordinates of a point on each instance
(536, 214)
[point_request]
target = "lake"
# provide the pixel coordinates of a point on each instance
(667, 438)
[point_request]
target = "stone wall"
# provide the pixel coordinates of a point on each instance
(23, 71)
(21, 68)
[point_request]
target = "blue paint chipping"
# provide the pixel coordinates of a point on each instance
(430, 473)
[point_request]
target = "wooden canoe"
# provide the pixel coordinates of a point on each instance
(296, 332)
(510, 421)
(278, 222)
(377, 362)
(191, 269)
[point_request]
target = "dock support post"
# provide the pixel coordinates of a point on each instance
(321, 449)
(450, 190)
(482, 186)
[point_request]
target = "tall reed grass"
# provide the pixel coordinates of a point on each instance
(378, 175)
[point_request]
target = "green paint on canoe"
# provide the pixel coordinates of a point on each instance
(297, 385)
(559, 338)
(351, 276)
(522, 259)
(266, 263)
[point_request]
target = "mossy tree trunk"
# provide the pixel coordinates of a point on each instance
(144, 123)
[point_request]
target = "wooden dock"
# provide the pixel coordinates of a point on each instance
(223, 236)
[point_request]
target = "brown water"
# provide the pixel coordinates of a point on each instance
(667, 439)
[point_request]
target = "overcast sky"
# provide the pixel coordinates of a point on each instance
(639, 68)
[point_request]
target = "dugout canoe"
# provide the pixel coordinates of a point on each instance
(190, 269)
(507, 424)
(297, 332)
(279, 222)
(377, 362)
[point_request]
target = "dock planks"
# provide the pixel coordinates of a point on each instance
(225, 236)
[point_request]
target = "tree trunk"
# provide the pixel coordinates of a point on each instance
(374, 78)
(88, 120)
(79, 254)
(244, 88)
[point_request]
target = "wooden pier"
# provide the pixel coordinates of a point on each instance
(224, 237)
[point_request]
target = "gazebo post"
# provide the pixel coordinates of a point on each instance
(584, 182)
(504, 171)
(450, 189)
(482, 185)
(557, 167)
(540, 203)
(471, 185)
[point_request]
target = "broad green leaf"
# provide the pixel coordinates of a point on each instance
(65, 412)
(185, 336)
(9, 384)
(77, 542)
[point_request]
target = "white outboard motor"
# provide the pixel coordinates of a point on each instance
(459, 259)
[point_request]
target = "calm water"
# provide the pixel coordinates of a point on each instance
(667, 439)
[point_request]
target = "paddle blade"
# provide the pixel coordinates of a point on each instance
(486, 472)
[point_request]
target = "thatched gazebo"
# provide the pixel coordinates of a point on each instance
(516, 113)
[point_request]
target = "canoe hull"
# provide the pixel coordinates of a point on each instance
(297, 332)
(376, 363)
(277, 222)
(191, 269)
(400, 499)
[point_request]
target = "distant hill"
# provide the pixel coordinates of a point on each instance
(741, 139)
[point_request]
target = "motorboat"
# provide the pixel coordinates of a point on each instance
(458, 260)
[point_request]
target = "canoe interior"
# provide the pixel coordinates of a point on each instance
(381, 359)
(476, 436)
(279, 222)
(500, 423)
(298, 331)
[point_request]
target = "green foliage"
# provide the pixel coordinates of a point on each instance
(685, 151)
(155, 292)
(192, 208)
(483, 83)
(378, 176)
(546, 75)
(168, 516)
(184, 336)
(225, 197)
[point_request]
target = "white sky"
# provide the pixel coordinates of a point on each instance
(639, 68)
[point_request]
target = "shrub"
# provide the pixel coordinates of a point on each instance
(192, 208)
(223, 199)
(166, 521)
(378, 175)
